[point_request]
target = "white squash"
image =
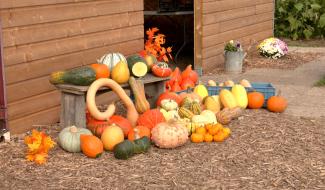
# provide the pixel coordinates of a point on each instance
(111, 59)
(169, 104)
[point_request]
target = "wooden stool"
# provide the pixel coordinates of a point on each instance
(73, 98)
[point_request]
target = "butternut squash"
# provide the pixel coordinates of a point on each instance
(132, 114)
(141, 103)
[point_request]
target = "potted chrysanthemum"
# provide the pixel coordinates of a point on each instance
(234, 57)
(273, 48)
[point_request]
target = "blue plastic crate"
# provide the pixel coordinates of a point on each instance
(266, 88)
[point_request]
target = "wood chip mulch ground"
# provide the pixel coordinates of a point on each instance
(291, 61)
(265, 151)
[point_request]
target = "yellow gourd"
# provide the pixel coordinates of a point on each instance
(227, 99)
(240, 95)
(121, 73)
(201, 90)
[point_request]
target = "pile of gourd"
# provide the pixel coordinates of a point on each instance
(114, 66)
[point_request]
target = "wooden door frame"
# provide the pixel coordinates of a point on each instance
(198, 36)
(3, 98)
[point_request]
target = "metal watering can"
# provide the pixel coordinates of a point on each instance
(234, 61)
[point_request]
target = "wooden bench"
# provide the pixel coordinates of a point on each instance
(73, 98)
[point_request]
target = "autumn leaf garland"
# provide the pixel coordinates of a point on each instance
(38, 144)
(154, 44)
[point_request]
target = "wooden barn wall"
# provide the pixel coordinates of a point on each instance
(45, 36)
(224, 20)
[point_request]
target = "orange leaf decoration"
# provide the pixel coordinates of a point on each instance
(153, 45)
(38, 145)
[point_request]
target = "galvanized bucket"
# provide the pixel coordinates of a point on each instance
(234, 61)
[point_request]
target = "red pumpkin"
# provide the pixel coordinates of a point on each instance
(169, 95)
(189, 73)
(161, 69)
(176, 75)
(122, 122)
(187, 83)
(176, 87)
(151, 118)
(97, 127)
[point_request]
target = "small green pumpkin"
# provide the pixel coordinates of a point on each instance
(127, 148)
(142, 145)
(69, 138)
(124, 150)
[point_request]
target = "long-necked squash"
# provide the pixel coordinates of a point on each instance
(141, 103)
(132, 114)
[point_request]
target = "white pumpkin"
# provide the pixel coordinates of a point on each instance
(69, 138)
(200, 119)
(210, 116)
(169, 104)
(111, 59)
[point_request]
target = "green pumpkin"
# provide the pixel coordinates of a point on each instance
(69, 138)
(127, 148)
(124, 150)
(142, 145)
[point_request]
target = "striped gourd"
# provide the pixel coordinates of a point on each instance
(196, 108)
(185, 113)
(111, 59)
(186, 103)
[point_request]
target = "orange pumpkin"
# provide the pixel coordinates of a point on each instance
(101, 70)
(91, 146)
(255, 100)
(151, 118)
(168, 95)
(141, 130)
(122, 122)
(277, 104)
(189, 73)
(197, 138)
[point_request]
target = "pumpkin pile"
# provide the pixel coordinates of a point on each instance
(114, 66)
(177, 118)
(210, 132)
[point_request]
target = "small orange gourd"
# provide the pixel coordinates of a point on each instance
(197, 138)
(91, 146)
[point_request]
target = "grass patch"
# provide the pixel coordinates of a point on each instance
(321, 82)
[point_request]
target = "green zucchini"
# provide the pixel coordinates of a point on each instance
(82, 76)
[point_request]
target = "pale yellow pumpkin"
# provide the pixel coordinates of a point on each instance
(112, 136)
(227, 99)
(240, 95)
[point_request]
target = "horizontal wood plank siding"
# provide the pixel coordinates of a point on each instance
(45, 36)
(248, 21)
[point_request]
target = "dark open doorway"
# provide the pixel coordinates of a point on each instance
(175, 19)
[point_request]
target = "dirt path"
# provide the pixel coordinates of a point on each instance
(296, 85)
